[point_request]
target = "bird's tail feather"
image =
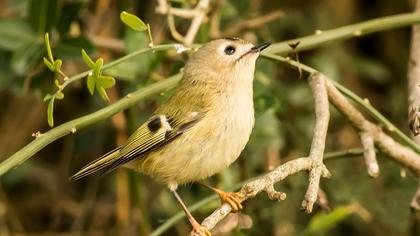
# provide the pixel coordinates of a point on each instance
(102, 162)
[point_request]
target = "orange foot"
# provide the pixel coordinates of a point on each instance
(232, 198)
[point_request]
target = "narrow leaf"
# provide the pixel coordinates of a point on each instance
(106, 81)
(48, 46)
(87, 59)
(133, 21)
(322, 222)
(50, 112)
(91, 84)
(102, 92)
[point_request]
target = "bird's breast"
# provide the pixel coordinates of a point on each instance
(209, 146)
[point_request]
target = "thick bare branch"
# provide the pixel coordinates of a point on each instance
(414, 80)
(396, 151)
(253, 188)
(316, 154)
(369, 154)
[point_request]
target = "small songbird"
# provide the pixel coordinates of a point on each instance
(201, 129)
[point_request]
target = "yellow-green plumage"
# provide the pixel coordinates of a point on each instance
(202, 128)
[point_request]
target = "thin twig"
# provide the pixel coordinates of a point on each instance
(202, 8)
(322, 201)
(163, 8)
(198, 14)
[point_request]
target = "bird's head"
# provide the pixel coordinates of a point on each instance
(226, 57)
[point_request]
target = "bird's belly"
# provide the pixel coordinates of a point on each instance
(206, 149)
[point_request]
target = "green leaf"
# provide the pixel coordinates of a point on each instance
(48, 64)
(59, 95)
(91, 84)
(87, 59)
(57, 65)
(48, 46)
(106, 81)
(133, 21)
(98, 67)
(50, 111)
(322, 222)
(102, 92)
(47, 97)
(15, 34)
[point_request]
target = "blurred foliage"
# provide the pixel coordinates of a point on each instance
(37, 198)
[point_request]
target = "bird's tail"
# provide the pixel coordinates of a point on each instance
(102, 162)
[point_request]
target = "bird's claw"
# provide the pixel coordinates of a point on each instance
(233, 199)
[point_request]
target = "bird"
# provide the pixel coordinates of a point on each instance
(201, 129)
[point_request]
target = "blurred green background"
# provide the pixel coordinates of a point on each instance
(37, 198)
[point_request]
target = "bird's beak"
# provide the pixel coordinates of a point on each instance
(260, 47)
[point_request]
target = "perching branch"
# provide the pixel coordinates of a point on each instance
(251, 189)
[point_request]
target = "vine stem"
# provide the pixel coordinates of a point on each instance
(72, 126)
(346, 32)
(162, 47)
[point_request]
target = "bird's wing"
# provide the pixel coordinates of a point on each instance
(156, 132)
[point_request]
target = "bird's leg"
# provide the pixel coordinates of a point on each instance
(197, 227)
(234, 199)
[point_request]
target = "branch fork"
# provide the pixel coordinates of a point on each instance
(313, 163)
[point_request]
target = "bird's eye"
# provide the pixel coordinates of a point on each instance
(230, 50)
